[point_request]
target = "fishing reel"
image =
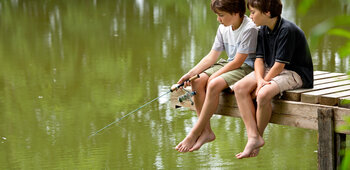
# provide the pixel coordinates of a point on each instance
(187, 96)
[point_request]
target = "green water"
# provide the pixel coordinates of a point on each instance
(69, 68)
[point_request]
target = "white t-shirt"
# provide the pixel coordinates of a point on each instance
(242, 40)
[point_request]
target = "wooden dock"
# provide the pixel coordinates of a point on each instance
(321, 108)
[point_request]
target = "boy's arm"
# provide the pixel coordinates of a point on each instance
(205, 63)
(259, 68)
(234, 64)
(276, 69)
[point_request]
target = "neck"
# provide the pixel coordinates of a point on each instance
(271, 23)
(237, 24)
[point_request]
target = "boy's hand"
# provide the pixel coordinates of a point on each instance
(261, 83)
(213, 76)
(184, 79)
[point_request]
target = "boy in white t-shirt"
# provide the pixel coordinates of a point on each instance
(237, 35)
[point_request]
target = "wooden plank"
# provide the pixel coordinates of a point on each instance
(335, 88)
(318, 72)
(329, 75)
(295, 95)
(295, 121)
(314, 96)
(329, 80)
(326, 151)
(309, 111)
(333, 99)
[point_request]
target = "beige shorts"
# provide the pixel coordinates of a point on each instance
(286, 80)
(231, 77)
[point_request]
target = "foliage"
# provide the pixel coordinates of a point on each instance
(336, 26)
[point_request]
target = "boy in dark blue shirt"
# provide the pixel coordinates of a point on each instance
(283, 62)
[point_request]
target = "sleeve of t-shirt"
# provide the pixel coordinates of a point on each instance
(218, 42)
(285, 46)
(260, 45)
(249, 41)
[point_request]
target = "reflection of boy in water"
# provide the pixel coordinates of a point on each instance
(237, 35)
(283, 62)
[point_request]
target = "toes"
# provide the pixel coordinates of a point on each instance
(241, 156)
(183, 149)
(178, 146)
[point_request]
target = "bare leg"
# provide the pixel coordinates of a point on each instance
(246, 107)
(199, 85)
(207, 134)
(209, 107)
(264, 109)
(263, 115)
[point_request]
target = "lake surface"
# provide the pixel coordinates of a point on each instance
(69, 68)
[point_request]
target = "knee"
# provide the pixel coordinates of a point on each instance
(240, 88)
(263, 98)
(199, 83)
(213, 87)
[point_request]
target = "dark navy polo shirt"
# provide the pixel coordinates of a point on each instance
(287, 44)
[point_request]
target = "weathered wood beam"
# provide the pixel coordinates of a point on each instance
(333, 99)
(326, 150)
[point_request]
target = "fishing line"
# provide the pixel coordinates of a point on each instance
(119, 119)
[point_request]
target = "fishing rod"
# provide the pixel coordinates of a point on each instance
(174, 88)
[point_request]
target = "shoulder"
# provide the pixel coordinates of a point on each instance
(249, 26)
(290, 28)
(248, 23)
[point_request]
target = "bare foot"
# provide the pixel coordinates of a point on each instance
(252, 144)
(254, 153)
(204, 138)
(186, 144)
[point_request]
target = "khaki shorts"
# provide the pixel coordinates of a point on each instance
(286, 80)
(230, 77)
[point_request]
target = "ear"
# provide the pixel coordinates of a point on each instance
(268, 13)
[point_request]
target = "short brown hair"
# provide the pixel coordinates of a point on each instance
(229, 6)
(274, 6)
